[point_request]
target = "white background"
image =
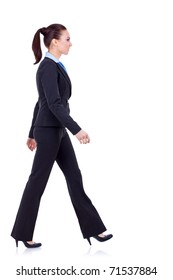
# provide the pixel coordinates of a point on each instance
(121, 68)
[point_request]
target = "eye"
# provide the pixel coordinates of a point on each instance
(68, 39)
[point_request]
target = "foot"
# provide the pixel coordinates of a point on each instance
(31, 244)
(103, 237)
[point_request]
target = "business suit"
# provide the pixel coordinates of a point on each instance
(50, 120)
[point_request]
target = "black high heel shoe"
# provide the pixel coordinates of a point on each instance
(27, 245)
(100, 239)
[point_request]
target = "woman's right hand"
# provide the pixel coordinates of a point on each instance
(31, 143)
(83, 137)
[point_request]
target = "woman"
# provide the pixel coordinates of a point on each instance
(49, 136)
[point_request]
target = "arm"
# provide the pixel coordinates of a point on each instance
(31, 143)
(36, 108)
(48, 77)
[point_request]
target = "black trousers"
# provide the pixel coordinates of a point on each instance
(54, 144)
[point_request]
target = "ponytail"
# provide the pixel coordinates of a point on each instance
(36, 46)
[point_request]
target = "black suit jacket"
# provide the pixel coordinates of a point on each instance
(54, 90)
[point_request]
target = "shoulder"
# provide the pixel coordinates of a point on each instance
(47, 65)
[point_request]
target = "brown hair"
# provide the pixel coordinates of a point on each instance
(53, 31)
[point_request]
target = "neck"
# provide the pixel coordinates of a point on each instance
(54, 53)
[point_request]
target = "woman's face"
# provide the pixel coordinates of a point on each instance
(64, 43)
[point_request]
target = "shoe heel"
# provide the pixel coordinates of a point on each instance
(89, 240)
(16, 243)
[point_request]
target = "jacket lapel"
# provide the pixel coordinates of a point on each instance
(64, 73)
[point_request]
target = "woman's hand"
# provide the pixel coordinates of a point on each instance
(83, 137)
(31, 143)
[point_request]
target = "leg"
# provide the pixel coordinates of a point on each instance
(88, 217)
(48, 141)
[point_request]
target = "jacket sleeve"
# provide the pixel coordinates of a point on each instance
(52, 94)
(36, 108)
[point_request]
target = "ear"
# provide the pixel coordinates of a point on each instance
(54, 42)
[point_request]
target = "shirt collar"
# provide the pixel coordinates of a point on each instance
(51, 56)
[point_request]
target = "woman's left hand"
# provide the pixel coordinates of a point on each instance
(31, 143)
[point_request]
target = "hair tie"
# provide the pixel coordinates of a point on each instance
(43, 30)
